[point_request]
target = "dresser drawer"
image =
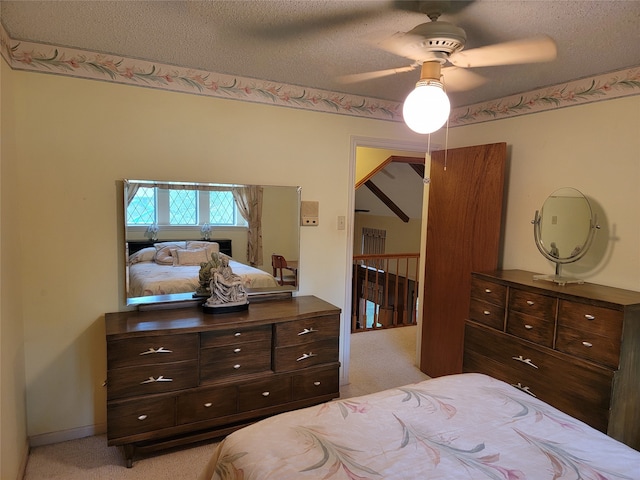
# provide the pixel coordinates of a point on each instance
(574, 386)
(151, 349)
(231, 360)
(488, 292)
(148, 379)
(598, 320)
(235, 336)
(316, 383)
(532, 304)
(598, 348)
(139, 416)
(307, 330)
(207, 404)
(590, 332)
(297, 357)
(486, 313)
(264, 393)
(535, 329)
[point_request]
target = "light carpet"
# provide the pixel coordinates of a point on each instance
(380, 359)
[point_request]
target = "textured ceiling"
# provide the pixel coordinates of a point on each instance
(310, 43)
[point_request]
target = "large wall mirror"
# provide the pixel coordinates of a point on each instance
(171, 227)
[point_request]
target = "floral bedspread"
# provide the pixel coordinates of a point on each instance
(467, 426)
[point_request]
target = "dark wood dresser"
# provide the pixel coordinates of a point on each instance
(180, 375)
(576, 347)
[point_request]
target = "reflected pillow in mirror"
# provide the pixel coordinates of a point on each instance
(194, 256)
(143, 255)
(192, 244)
(211, 247)
(163, 251)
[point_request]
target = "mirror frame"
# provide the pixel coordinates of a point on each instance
(581, 247)
(195, 233)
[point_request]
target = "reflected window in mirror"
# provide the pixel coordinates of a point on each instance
(162, 206)
(172, 227)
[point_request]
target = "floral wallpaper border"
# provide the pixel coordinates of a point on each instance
(43, 58)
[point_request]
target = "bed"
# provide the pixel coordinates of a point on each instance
(173, 267)
(466, 426)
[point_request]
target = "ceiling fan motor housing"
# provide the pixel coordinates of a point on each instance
(439, 38)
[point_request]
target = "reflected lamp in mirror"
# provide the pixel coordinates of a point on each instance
(563, 231)
(171, 228)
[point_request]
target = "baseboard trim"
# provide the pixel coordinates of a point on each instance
(66, 435)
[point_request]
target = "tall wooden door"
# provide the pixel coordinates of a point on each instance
(464, 227)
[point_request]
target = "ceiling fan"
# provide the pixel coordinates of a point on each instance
(438, 48)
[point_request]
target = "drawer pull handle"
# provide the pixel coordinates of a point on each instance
(156, 380)
(306, 355)
(265, 394)
(236, 366)
(528, 327)
(524, 388)
(237, 350)
(208, 405)
(487, 312)
(528, 361)
(587, 344)
(317, 384)
(156, 350)
(237, 334)
(307, 330)
(142, 417)
(487, 290)
(530, 302)
(590, 317)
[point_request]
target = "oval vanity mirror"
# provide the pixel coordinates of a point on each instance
(563, 230)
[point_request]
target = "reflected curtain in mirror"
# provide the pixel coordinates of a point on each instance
(249, 202)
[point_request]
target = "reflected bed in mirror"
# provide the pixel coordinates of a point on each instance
(171, 227)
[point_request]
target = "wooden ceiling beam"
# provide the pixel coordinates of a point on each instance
(418, 168)
(387, 201)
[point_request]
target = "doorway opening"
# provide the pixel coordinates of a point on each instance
(371, 309)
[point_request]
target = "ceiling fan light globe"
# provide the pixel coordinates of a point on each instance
(426, 108)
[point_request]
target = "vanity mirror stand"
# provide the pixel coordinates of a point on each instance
(563, 231)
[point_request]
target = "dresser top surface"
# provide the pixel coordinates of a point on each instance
(194, 319)
(570, 291)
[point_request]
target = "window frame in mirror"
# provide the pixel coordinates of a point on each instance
(286, 220)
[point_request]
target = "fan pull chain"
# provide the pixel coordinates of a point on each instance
(446, 145)
(446, 135)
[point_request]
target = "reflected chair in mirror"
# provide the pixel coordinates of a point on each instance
(284, 273)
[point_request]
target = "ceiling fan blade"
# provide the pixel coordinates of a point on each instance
(401, 44)
(361, 77)
(528, 50)
(458, 79)
(429, 7)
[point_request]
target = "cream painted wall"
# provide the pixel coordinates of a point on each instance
(13, 432)
(77, 140)
(594, 148)
(401, 237)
